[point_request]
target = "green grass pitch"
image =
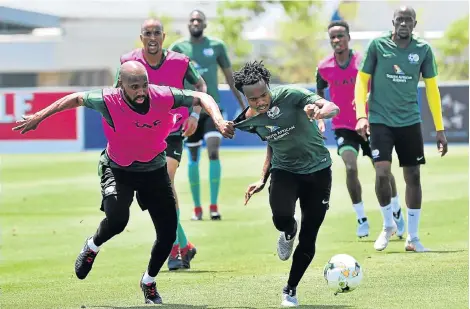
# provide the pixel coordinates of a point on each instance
(50, 203)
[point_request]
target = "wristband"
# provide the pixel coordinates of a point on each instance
(195, 115)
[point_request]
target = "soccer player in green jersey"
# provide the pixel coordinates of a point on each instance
(296, 158)
(207, 54)
(395, 62)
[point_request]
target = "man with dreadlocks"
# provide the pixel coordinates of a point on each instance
(296, 158)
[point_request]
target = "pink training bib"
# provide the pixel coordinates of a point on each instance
(170, 73)
(137, 137)
(341, 83)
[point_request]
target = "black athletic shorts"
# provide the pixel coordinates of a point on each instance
(351, 140)
(408, 143)
(174, 148)
(205, 128)
(312, 190)
(153, 187)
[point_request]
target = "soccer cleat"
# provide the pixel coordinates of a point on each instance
(84, 261)
(197, 214)
(174, 262)
(151, 295)
(400, 221)
(382, 241)
(289, 297)
(214, 212)
(415, 245)
(187, 255)
(285, 246)
(362, 228)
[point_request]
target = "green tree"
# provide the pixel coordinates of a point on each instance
(300, 38)
(297, 52)
(452, 51)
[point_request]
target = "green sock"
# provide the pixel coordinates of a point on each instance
(214, 178)
(180, 234)
(193, 174)
(178, 221)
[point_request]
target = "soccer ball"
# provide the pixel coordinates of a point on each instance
(343, 273)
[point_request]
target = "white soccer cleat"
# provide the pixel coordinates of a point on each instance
(289, 298)
(289, 301)
(382, 241)
(400, 222)
(285, 246)
(362, 228)
(415, 245)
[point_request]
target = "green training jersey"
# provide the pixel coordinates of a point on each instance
(395, 75)
(206, 56)
(94, 99)
(297, 144)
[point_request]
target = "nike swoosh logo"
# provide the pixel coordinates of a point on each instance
(176, 153)
(419, 159)
(324, 202)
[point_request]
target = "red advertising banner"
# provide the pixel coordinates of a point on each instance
(14, 104)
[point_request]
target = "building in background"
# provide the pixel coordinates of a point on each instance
(78, 42)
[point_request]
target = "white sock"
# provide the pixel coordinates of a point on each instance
(387, 215)
(413, 222)
(92, 245)
(146, 279)
(359, 208)
(395, 204)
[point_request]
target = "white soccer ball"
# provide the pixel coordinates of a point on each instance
(342, 273)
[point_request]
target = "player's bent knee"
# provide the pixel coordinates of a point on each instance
(351, 168)
(412, 175)
(193, 154)
(172, 166)
(383, 168)
(213, 146)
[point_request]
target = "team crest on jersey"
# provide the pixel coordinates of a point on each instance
(340, 141)
(208, 52)
(274, 112)
(398, 70)
(272, 128)
(413, 58)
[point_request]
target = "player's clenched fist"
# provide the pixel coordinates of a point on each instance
(226, 128)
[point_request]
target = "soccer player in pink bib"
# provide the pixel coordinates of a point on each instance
(168, 68)
(338, 73)
(137, 119)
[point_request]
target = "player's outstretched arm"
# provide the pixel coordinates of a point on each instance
(226, 128)
(31, 122)
(229, 78)
(259, 185)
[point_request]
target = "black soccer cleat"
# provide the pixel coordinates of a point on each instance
(151, 295)
(84, 261)
(186, 259)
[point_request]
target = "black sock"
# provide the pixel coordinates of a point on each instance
(291, 291)
(291, 235)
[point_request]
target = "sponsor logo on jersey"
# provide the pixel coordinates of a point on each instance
(413, 58)
(272, 128)
(274, 112)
